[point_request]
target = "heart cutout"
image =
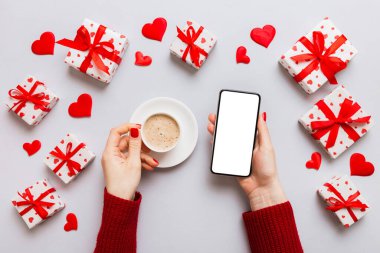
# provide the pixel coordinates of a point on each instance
(263, 36)
(71, 222)
(315, 161)
(359, 166)
(81, 108)
(45, 45)
(32, 148)
(241, 55)
(142, 60)
(155, 30)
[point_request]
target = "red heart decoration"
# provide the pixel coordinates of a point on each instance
(315, 161)
(142, 60)
(72, 222)
(81, 108)
(263, 36)
(32, 148)
(241, 55)
(155, 30)
(359, 166)
(45, 45)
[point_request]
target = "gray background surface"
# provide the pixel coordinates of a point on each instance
(186, 208)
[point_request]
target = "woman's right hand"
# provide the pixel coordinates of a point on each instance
(262, 187)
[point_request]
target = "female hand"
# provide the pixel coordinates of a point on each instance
(122, 161)
(262, 187)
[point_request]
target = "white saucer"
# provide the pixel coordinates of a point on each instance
(187, 121)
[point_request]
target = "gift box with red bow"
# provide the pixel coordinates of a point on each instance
(344, 199)
(193, 43)
(37, 203)
(69, 158)
(337, 121)
(31, 100)
(96, 50)
(315, 58)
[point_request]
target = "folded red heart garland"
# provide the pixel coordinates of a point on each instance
(336, 122)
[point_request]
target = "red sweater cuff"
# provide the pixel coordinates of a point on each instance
(273, 229)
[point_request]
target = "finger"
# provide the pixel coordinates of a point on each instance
(134, 146)
(212, 118)
(149, 160)
(211, 128)
(147, 167)
(124, 143)
(263, 132)
(145, 149)
(116, 134)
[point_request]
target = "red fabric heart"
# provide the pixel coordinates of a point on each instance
(32, 148)
(155, 30)
(45, 45)
(315, 161)
(81, 108)
(72, 222)
(142, 60)
(263, 36)
(241, 55)
(359, 166)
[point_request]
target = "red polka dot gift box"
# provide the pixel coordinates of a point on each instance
(69, 158)
(31, 100)
(344, 199)
(337, 121)
(316, 57)
(96, 50)
(37, 203)
(193, 43)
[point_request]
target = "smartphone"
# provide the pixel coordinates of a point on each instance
(235, 133)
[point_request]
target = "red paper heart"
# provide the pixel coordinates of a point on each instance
(142, 60)
(81, 108)
(263, 36)
(241, 55)
(155, 30)
(72, 222)
(45, 45)
(315, 161)
(32, 148)
(359, 166)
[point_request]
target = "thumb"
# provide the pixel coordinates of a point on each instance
(134, 147)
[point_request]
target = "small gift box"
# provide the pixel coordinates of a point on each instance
(318, 56)
(336, 121)
(96, 50)
(193, 44)
(69, 158)
(31, 100)
(344, 199)
(37, 203)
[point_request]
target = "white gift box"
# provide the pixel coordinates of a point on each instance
(69, 158)
(202, 41)
(31, 100)
(344, 199)
(316, 78)
(37, 203)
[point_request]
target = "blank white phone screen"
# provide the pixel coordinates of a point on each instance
(235, 133)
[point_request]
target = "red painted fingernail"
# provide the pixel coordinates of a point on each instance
(155, 161)
(134, 132)
(264, 116)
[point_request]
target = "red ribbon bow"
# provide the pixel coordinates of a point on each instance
(73, 166)
(332, 124)
(189, 38)
(82, 42)
(336, 204)
(330, 65)
(23, 96)
(37, 204)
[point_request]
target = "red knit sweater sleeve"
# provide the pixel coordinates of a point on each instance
(117, 232)
(273, 229)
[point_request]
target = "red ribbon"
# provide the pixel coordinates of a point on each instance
(330, 65)
(73, 166)
(23, 96)
(37, 204)
(189, 38)
(82, 42)
(332, 124)
(336, 204)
